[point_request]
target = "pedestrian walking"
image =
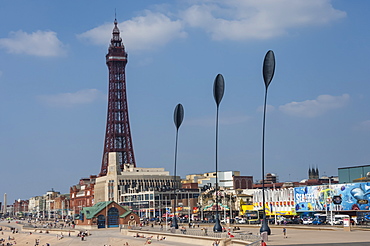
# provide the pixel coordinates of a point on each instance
(284, 232)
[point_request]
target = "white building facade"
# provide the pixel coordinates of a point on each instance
(277, 201)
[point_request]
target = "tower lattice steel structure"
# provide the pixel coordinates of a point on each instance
(118, 134)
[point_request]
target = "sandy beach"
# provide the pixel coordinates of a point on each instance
(111, 237)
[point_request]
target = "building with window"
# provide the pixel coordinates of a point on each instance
(156, 203)
(82, 194)
(349, 174)
(226, 179)
(35, 206)
(117, 183)
(20, 208)
(61, 206)
(106, 215)
(277, 201)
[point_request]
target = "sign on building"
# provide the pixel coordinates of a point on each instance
(336, 197)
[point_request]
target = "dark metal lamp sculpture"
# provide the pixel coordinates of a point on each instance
(177, 117)
(218, 92)
(268, 74)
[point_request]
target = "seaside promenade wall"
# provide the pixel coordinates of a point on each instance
(191, 239)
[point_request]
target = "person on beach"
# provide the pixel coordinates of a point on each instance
(216, 242)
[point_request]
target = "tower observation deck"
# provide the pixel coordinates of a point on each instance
(118, 135)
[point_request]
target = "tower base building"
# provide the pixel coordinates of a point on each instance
(118, 183)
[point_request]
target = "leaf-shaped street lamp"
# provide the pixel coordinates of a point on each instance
(218, 88)
(218, 93)
(178, 117)
(268, 67)
(268, 73)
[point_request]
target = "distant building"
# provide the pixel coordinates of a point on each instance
(363, 179)
(313, 179)
(131, 179)
(226, 179)
(276, 185)
(242, 182)
(9, 210)
(20, 207)
(271, 178)
(349, 174)
(61, 206)
(277, 201)
(106, 215)
(313, 173)
(82, 194)
(35, 206)
(147, 191)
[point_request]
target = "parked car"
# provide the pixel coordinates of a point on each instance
(318, 222)
(241, 221)
(307, 221)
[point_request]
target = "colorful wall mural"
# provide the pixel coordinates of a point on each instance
(336, 197)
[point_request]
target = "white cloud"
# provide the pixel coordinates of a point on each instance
(222, 19)
(313, 108)
(71, 99)
(257, 19)
(39, 43)
(141, 33)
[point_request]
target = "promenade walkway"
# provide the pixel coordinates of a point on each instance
(296, 235)
(311, 235)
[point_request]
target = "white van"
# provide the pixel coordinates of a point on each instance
(338, 219)
(241, 221)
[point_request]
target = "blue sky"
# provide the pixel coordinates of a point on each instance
(53, 87)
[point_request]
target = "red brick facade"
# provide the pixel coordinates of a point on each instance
(82, 195)
(20, 206)
(243, 182)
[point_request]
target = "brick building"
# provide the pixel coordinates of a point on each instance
(61, 205)
(82, 194)
(20, 207)
(105, 215)
(242, 182)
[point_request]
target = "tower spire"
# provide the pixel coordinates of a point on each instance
(116, 40)
(118, 134)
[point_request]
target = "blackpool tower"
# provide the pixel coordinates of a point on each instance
(118, 134)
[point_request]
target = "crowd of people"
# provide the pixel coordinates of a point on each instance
(11, 239)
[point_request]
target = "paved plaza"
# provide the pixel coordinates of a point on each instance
(296, 235)
(311, 235)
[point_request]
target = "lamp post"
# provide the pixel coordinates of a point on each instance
(268, 74)
(218, 92)
(331, 201)
(178, 117)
